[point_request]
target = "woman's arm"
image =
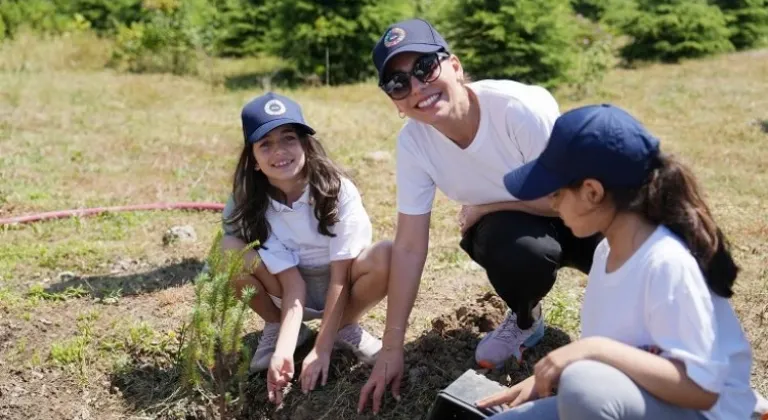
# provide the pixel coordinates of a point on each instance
(663, 378)
(335, 302)
(539, 207)
(294, 292)
(409, 253)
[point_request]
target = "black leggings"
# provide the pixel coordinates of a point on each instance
(521, 254)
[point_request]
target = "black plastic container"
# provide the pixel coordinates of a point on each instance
(457, 401)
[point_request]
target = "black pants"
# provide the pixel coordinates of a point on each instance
(521, 254)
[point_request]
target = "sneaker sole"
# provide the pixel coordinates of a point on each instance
(535, 337)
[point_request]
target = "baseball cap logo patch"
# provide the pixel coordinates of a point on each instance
(274, 107)
(394, 37)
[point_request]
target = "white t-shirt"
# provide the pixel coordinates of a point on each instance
(294, 239)
(515, 123)
(659, 298)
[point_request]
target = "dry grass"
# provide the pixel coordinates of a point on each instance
(72, 136)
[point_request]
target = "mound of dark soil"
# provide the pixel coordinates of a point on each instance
(432, 361)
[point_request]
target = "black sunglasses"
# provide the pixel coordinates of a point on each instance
(426, 69)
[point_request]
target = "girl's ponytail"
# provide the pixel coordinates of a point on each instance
(672, 197)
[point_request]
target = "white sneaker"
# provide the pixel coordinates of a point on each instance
(508, 341)
(365, 346)
(268, 341)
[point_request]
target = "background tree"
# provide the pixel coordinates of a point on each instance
(332, 40)
(747, 20)
(527, 40)
(669, 30)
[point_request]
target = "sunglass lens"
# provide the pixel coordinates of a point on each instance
(398, 86)
(424, 69)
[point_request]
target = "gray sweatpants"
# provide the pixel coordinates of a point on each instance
(593, 390)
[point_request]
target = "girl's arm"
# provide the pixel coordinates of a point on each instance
(663, 378)
(335, 302)
(294, 293)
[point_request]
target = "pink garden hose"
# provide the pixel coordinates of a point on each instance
(97, 210)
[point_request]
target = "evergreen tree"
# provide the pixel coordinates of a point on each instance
(747, 20)
(531, 41)
(332, 40)
(242, 27)
(669, 30)
(104, 15)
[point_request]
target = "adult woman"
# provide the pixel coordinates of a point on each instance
(463, 138)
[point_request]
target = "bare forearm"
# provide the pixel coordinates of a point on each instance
(663, 378)
(291, 316)
(335, 303)
(538, 207)
(404, 279)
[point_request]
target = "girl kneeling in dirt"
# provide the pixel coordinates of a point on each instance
(317, 260)
(659, 337)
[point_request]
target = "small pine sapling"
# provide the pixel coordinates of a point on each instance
(214, 357)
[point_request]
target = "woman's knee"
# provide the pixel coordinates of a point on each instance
(520, 254)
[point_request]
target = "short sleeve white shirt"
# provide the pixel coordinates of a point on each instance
(515, 123)
(659, 298)
(295, 241)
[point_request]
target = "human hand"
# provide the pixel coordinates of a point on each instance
(279, 375)
(314, 366)
(388, 369)
(548, 370)
(518, 394)
(468, 216)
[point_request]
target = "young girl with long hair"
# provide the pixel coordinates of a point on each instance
(314, 243)
(659, 339)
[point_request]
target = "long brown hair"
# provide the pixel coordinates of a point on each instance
(672, 197)
(251, 190)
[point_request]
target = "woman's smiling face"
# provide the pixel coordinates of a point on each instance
(429, 102)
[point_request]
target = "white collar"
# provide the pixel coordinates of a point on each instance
(303, 199)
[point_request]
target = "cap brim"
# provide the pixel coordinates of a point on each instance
(266, 128)
(419, 48)
(532, 181)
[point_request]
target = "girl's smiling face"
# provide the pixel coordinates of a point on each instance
(280, 155)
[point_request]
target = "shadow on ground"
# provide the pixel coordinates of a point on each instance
(434, 360)
(133, 283)
(155, 391)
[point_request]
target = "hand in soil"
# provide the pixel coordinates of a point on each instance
(388, 370)
(315, 364)
(279, 375)
(520, 393)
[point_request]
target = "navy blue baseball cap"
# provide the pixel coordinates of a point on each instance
(601, 142)
(269, 111)
(412, 35)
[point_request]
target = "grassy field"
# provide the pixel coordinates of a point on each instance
(90, 308)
